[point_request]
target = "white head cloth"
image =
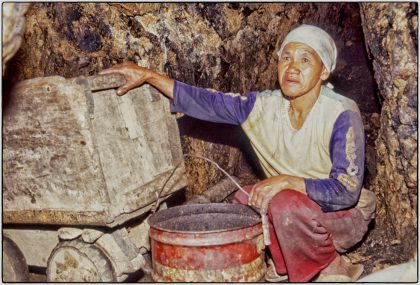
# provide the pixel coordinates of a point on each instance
(317, 39)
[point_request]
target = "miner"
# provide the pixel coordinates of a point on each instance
(310, 143)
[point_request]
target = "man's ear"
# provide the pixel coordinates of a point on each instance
(324, 74)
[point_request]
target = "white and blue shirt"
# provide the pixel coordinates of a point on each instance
(327, 151)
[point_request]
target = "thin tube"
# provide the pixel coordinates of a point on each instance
(262, 212)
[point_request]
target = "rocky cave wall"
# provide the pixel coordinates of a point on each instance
(229, 47)
(391, 39)
(232, 47)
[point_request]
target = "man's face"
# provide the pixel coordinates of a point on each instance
(300, 70)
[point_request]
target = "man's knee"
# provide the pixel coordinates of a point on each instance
(288, 203)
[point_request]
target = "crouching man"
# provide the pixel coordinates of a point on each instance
(310, 143)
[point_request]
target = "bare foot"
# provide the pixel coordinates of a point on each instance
(340, 270)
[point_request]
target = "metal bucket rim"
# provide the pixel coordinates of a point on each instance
(224, 205)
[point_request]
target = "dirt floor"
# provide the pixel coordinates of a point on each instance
(371, 264)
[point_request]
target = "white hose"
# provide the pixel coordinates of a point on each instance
(224, 171)
(263, 212)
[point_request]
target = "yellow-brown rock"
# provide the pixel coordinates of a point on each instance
(233, 47)
(391, 38)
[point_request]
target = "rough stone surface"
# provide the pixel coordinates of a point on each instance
(232, 47)
(62, 158)
(229, 47)
(391, 39)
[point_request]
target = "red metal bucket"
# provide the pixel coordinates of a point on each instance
(207, 243)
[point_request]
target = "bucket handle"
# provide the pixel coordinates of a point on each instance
(262, 212)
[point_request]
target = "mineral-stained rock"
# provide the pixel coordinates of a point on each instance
(391, 38)
(233, 47)
(225, 46)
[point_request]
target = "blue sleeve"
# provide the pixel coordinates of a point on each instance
(347, 149)
(212, 106)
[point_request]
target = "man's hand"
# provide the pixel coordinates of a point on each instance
(263, 191)
(134, 75)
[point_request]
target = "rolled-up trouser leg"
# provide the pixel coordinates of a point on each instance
(304, 239)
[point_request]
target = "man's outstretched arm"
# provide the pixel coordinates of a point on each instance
(200, 103)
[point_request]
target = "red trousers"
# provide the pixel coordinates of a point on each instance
(304, 239)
